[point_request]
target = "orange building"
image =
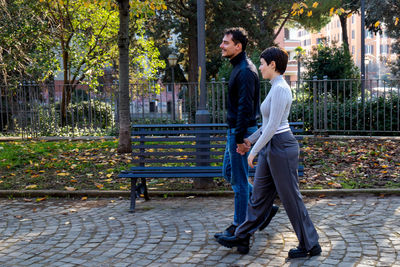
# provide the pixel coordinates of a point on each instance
(377, 46)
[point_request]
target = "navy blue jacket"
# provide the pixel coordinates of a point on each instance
(243, 96)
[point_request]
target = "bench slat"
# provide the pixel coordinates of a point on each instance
(177, 154)
(172, 132)
(177, 139)
(155, 146)
(187, 160)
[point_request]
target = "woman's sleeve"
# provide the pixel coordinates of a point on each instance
(254, 137)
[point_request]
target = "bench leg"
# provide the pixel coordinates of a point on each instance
(133, 194)
(145, 193)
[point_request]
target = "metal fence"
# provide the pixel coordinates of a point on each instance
(325, 106)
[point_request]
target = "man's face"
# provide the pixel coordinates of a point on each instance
(228, 48)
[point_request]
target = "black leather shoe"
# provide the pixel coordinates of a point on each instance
(242, 244)
(268, 220)
(230, 231)
(301, 252)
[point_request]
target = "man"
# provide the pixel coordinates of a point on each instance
(243, 112)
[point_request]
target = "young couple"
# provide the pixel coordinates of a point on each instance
(274, 143)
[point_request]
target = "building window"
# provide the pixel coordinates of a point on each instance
(169, 106)
(369, 49)
(352, 19)
(152, 106)
(287, 35)
(169, 87)
(369, 34)
(384, 49)
(353, 34)
(353, 50)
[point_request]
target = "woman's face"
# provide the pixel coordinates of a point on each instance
(267, 70)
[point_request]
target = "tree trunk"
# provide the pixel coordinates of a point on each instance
(345, 37)
(124, 144)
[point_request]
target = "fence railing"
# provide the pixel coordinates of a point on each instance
(325, 106)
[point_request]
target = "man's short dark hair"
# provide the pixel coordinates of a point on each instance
(239, 35)
(277, 54)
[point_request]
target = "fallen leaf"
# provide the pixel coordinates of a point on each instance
(27, 200)
(18, 216)
(322, 196)
(68, 188)
(41, 199)
(32, 186)
(190, 197)
(84, 198)
(99, 186)
(123, 187)
(63, 174)
(331, 204)
(111, 218)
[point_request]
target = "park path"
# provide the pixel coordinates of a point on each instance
(359, 231)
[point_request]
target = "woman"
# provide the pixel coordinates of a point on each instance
(276, 172)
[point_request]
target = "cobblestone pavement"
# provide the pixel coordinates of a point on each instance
(354, 231)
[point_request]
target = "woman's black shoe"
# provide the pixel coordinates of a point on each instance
(301, 252)
(242, 244)
(230, 231)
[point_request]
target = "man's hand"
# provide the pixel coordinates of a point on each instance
(242, 148)
(250, 160)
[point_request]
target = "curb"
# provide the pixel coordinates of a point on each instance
(117, 193)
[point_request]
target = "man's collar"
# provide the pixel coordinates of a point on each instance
(238, 58)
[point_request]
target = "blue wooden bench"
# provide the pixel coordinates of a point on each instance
(180, 151)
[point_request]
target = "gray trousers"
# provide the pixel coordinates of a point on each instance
(276, 173)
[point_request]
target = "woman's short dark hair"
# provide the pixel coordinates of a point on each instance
(239, 35)
(277, 54)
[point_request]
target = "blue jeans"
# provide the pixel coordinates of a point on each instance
(235, 171)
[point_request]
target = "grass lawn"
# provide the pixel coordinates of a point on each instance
(77, 165)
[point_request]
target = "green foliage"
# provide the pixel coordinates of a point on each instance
(380, 115)
(92, 117)
(25, 50)
(336, 64)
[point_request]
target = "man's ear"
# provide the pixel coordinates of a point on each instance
(239, 46)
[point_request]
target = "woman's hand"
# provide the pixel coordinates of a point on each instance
(250, 160)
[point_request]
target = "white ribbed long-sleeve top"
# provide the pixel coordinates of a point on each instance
(275, 112)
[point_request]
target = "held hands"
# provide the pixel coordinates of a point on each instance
(243, 148)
